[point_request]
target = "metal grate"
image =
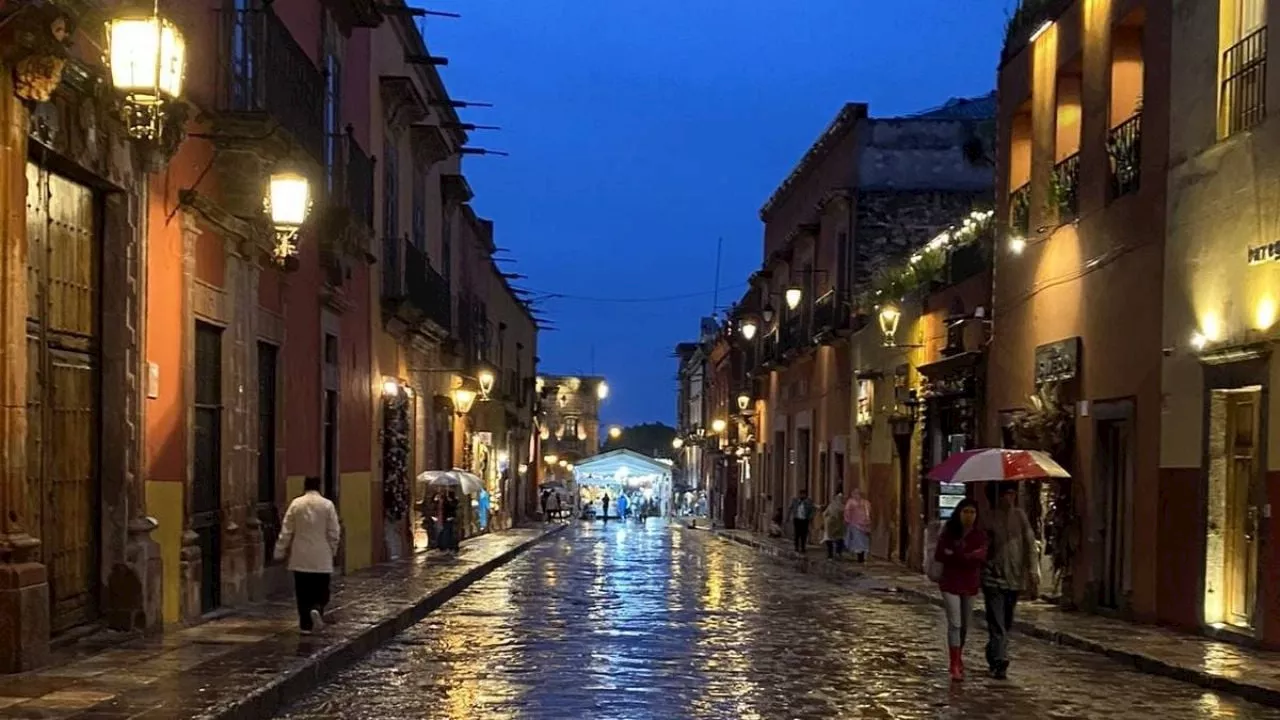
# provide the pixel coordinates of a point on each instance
(1020, 210)
(1244, 83)
(1124, 145)
(1066, 188)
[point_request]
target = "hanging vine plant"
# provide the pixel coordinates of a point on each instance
(1048, 427)
(926, 265)
(395, 455)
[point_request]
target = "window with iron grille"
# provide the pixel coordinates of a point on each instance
(332, 121)
(419, 209)
(1244, 81)
(390, 187)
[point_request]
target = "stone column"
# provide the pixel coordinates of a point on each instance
(190, 560)
(24, 587)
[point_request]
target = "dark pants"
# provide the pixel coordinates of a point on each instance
(802, 533)
(833, 547)
(312, 590)
(1000, 604)
(606, 513)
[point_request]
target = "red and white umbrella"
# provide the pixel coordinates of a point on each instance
(997, 465)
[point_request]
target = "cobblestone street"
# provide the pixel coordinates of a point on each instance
(630, 622)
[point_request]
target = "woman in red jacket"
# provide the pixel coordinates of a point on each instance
(962, 550)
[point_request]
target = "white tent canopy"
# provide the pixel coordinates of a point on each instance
(624, 468)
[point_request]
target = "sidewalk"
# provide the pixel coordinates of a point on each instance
(1247, 672)
(253, 661)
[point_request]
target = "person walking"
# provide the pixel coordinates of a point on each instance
(622, 507)
(545, 498)
(833, 525)
(1012, 568)
(604, 507)
(801, 513)
(857, 525)
(309, 538)
(449, 523)
(961, 552)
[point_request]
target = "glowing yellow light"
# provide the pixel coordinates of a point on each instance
(486, 379)
(718, 425)
(522, 469)
(463, 399)
(602, 390)
(390, 387)
(550, 459)
(148, 58)
(749, 328)
(289, 200)
(1211, 327)
(889, 317)
(615, 432)
(793, 297)
(503, 457)
(1017, 245)
(1265, 314)
(1198, 340)
(744, 401)
(677, 443)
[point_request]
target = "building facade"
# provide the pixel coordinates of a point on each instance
(569, 408)
(1219, 446)
(236, 351)
(1081, 186)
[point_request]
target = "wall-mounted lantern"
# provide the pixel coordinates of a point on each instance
(749, 328)
(718, 425)
(677, 443)
(463, 399)
(793, 296)
(615, 432)
(148, 56)
(486, 379)
(288, 203)
(744, 402)
(889, 317)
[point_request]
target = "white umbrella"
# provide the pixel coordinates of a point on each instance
(468, 483)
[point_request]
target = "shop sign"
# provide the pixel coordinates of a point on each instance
(1058, 362)
(485, 438)
(866, 401)
(1267, 252)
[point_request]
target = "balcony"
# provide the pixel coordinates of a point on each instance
(769, 349)
(266, 80)
(1065, 188)
(1244, 84)
(793, 338)
(412, 291)
(1020, 211)
(832, 315)
(358, 182)
(1124, 145)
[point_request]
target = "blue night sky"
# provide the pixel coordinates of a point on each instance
(640, 132)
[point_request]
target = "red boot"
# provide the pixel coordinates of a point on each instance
(957, 665)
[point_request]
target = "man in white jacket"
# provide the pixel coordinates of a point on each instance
(310, 539)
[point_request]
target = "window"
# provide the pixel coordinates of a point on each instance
(332, 122)
(571, 427)
(390, 187)
(419, 203)
(1243, 71)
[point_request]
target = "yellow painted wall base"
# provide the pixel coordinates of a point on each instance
(355, 507)
(293, 487)
(165, 504)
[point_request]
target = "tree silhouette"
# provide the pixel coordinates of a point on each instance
(652, 439)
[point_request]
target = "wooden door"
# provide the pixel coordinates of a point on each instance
(63, 332)
(1115, 465)
(1241, 517)
(206, 461)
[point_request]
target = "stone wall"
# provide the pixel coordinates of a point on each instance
(892, 224)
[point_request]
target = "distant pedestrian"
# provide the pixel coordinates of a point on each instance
(604, 507)
(1012, 568)
(833, 525)
(857, 525)
(449, 523)
(431, 518)
(309, 538)
(961, 551)
(545, 498)
(622, 507)
(801, 514)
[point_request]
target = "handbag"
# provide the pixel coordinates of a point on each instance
(934, 571)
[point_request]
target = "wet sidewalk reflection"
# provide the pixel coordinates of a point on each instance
(626, 621)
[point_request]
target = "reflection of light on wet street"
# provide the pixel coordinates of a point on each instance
(640, 622)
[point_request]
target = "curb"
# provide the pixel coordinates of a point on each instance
(269, 699)
(1143, 663)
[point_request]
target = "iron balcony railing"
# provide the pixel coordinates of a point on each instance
(832, 312)
(427, 289)
(769, 348)
(1066, 188)
(1020, 210)
(358, 178)
(1124, 145)
(793, 333)
(408, 279)
(264, 71)
(1244, 83)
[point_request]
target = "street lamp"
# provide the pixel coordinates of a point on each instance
(148, 58)
(793, 295)
(718, 425)
(767, 314)
(615, 432)
(889, 317)
(677, 443)
(744, 401)
(486, 379)
(288, 202)
(749, 328)
(550, 459)
(602, 390)
(463, 399)
(390, 387)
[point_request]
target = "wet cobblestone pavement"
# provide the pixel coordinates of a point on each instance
(630, 622)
